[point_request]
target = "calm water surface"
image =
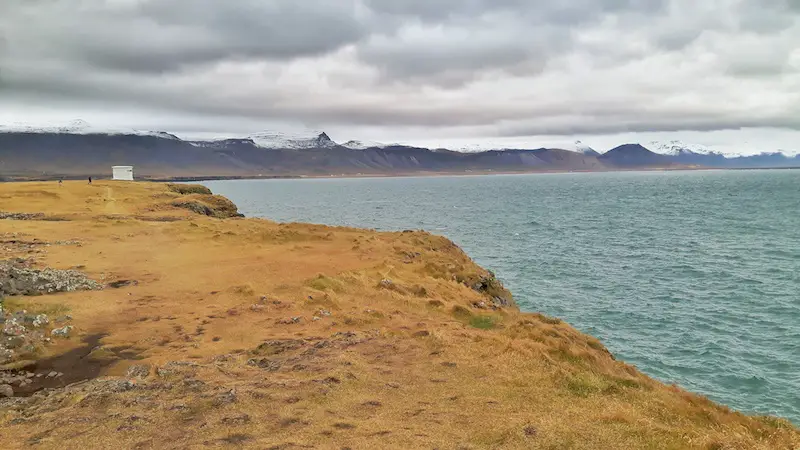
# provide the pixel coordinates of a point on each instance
(694, 277)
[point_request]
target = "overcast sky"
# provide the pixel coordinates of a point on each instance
(724, 73)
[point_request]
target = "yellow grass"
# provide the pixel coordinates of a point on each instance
(406, 364)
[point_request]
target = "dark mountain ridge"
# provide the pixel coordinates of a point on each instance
(635, 155)
(161, 155)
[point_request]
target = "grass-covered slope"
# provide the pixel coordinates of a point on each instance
(242, 332)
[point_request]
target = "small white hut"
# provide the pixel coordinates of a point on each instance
(124, 173)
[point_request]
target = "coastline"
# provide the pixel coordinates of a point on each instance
(392, 328)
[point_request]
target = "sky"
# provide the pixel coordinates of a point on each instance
(439, 73)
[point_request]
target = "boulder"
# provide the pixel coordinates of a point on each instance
(40, 320)
(140, 371)
(62, 332)
(12, 327)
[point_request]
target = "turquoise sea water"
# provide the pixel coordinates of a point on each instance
(694, 277)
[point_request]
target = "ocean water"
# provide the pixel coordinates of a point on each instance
(694, 277)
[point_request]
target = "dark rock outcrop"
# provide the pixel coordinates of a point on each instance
(188, 189)
(208, 205)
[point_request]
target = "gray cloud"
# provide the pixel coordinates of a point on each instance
(503, 67)
(767, 17)
(653, 124)
(166, 35)
(458, 55)
(561, 13)
(452, 42)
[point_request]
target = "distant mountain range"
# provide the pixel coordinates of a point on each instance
(81, 150)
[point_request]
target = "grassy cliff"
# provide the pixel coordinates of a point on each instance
(213, 330)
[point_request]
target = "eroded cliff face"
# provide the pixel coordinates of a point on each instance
(192, 331)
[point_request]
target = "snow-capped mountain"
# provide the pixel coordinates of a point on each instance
(474, 148)
(300, 139)
(81, 127)
(577, 146)
(79, 149)
(677, 148)
(76, 127)
(580, 147)
(362, 145)
(295, 141)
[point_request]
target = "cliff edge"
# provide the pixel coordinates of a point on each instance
(143, 315)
